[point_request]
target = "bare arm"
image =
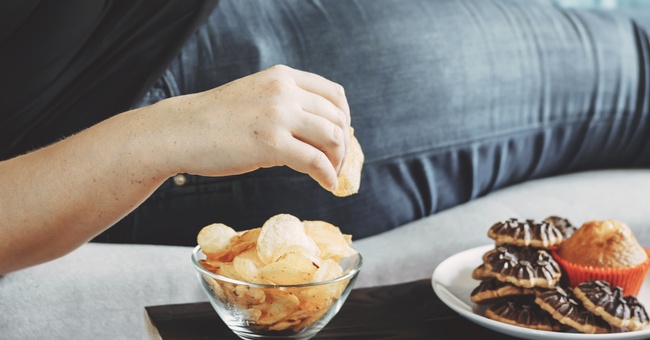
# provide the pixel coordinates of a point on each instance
(56, 198)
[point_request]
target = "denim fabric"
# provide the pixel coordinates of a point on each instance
(450, 100)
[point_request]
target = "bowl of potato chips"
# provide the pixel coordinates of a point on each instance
(286, 279)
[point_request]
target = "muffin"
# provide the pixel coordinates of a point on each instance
(604, 250)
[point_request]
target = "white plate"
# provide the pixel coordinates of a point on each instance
(452, 281)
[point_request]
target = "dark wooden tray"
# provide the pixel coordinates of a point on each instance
(403, 311)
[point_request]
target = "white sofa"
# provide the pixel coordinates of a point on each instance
(99, 291)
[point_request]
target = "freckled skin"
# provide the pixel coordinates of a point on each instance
(54, 199)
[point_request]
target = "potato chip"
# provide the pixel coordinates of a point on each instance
(329, 239)
(297, 316)
(280, 232)
(350, 175)
(328, 270)
(348, 238)
(313, 317)
(209, 265)
(215, 238)
(253, 314)
(249, 235)
(281, 273)
(248, 296)
(215, 287)
(228, 270)
(290, 268)
(284, 251)
(284, 324)
(247, 266)
(228, 290)
(305, 255)
(278, 305)
(244, 241)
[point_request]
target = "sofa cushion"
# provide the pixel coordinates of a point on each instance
(96, 292)
(414, 250)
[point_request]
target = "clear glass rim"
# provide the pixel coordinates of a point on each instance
(349, 274)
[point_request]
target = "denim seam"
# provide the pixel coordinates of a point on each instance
(506, 133)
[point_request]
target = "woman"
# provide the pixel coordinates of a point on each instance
(62, 195)
(449, 99)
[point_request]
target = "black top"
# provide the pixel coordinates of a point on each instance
(65, 65)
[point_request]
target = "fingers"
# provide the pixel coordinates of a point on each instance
(326, 93)
(325, 88)
(322, 94)
(326, 127)
(304, 112)
(320, 97)
(324, 136)
(305, 158)
(322, 132)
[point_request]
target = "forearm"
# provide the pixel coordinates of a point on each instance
(56, 198)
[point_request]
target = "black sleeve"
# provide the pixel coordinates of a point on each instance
(65, 65)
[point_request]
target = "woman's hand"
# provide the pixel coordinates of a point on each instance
(279, 116)
(85, 183)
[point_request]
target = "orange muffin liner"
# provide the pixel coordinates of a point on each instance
(630, 278)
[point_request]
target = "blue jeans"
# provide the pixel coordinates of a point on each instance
(450, 101)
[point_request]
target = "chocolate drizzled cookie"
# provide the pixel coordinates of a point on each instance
(640, 317)
(608, 302)
(520, 284)
(522, 266)
(491, 289)
(527, 233)
(565, 308)
(562, 224)
(523, 313)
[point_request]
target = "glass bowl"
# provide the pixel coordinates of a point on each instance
(265, 311)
